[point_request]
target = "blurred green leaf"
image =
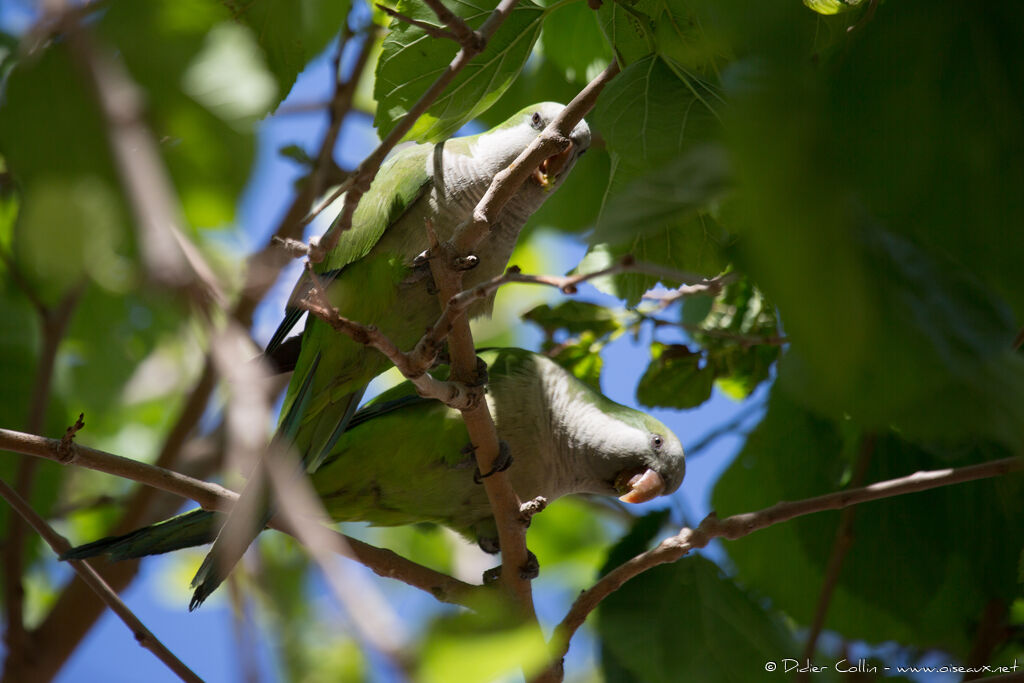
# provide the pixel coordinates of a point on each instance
(582, 358)
(685, 621)
(290, 32)
(794, 455)
(575, 317)
(832, 6)
(205, 130)
(639, 538)
(573, 41)
(411, 61)
(481, 645)
(676, 378)
(667, 197)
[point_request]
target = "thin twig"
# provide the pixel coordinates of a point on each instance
(737, 526)
(464, 35)
(710, 287)
(374, 620)
(429, 29)
(840, 548)
(60, 545)
(413, 366)
(215, 497)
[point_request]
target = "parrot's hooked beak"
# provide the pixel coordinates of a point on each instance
(549, 168)
(639, 485)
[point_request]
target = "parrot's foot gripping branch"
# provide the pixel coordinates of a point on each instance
(528, 572)
(501, 463)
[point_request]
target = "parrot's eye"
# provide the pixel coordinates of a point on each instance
(536, 121)
(657, 441)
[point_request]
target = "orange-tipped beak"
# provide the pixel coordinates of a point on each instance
(640, 486)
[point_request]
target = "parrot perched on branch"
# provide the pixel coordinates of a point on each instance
(372, 277)
(402, 459)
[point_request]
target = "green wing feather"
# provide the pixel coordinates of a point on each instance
(382, 206)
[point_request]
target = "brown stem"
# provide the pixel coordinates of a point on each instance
(429, 29)
(738, 526)
(54, 323)
(992, 632)
(60, 545)
(840, 547)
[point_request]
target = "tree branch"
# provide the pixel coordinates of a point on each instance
(215, 497)
(60, 545)
(737, 526)
(840, 547)
(53, 323)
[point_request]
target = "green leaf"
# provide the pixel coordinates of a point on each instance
(573, 41)
(688, 35)
(794, 455)
(575, 317)
(676, 378)
(874, 216)
(731, 332)
(639, 538)
(659, 200)
(829, 7)
(291, 32)
(685, 621)
(206, 133)
(480, 646)
(628, 27)
(695, 246)
(411, 61)
(650, 112)
(582, 359)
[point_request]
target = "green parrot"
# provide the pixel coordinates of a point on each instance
(402, 459)
(373, 277)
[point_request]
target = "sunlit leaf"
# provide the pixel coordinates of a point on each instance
(411, 61)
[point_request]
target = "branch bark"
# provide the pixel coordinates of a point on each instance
(840, 547)
(53, 323)
(59, 544)
(737, 526)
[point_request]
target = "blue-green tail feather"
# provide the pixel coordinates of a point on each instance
(197, 527)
